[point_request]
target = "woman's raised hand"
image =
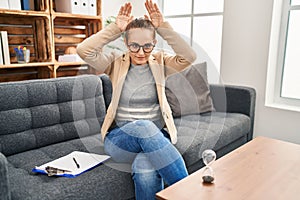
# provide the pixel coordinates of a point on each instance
(154, 13)
(124, 16)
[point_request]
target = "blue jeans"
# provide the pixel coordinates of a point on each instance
(152, 155)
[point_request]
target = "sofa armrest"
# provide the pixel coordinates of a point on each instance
(235, 99)
(4, 184)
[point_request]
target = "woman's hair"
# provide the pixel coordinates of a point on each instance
(139, 23)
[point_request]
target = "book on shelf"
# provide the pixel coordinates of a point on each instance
(68, 6)
(69, 58)
(5, 47)
(14, 4)
(27, 4)
(92, 7)
(4, 4)
(1, 54)
(84, 7)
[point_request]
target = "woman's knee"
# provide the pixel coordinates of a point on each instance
(142, 164)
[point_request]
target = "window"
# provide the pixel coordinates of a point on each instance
(283, 82)
(290, 86)
(200, 23)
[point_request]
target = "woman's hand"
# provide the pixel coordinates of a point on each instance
(124, 16)
(154, 13)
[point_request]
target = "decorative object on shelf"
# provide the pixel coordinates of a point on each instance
(208, 156)
(70, 50)
(23, 54)
(70, 56)
(109, 20)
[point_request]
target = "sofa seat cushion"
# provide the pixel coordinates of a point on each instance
(208, 131)
(102, 182)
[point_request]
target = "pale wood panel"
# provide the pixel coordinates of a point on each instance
(261, 169)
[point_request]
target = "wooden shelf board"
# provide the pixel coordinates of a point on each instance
(24, 13)
(36, 64)
(69, 15)
(70, 63)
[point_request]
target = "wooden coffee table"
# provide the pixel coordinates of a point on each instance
(263, 168)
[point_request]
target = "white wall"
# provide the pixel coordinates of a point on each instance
(246, 33)
(112, 7)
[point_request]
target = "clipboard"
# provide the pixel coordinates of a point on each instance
(71, 165)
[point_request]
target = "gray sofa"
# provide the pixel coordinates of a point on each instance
(41, 120)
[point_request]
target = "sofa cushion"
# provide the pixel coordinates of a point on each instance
(62, 109)
(102, 182)
(188, 91)
(195, 134)
(208, 131)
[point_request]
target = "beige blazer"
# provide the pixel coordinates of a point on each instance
(117, 65)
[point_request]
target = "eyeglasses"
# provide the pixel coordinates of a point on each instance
(135, 47)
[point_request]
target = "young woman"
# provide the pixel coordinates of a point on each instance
(133, 129)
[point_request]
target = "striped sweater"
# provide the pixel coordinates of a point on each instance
(139, 99)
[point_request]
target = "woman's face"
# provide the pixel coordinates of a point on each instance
(140, 37)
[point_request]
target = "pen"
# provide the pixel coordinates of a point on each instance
(78, 166)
